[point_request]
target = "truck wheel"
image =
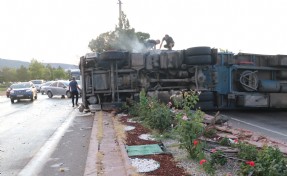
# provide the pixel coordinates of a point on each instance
(199, 60)
(203, 50)
(113, 55)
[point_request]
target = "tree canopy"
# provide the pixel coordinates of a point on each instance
(122, 38)
(36, 70)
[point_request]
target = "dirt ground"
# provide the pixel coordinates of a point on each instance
(168, 166)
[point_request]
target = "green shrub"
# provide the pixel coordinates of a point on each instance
(247, 151)
(270, 162)
(218, 158)
(160, 116)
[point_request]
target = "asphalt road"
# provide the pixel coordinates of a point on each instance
(43, 137)
(268, 123)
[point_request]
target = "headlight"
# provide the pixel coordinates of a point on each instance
(28, 90)
(12, 91)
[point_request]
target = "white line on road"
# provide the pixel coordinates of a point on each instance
(38, 161)
(266, 129)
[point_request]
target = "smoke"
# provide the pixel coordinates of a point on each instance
(128, 42)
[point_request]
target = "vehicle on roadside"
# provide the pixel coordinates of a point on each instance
(23, 90)
(44, 86)
(38, 83)
(58, 88)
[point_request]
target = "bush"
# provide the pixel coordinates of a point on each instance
(270, 162)
(160, 117)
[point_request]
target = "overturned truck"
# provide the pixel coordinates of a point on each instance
(225, 80)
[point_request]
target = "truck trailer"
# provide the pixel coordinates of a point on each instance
(225, 80)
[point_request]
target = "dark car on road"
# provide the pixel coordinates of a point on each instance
(58, 88)
(23, 90)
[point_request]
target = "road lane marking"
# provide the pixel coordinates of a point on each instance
(36, 164)
(266, 129)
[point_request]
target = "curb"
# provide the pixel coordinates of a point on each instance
(91, 169)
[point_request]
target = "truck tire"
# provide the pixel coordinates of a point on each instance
(199, 60)
(202, 50)
(113, 55)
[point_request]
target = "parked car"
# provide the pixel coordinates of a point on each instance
(23, 90)
(58, 88)
(8, 92)
(44, 86)
(38, 83)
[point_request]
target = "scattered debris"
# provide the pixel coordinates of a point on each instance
(129, 128)
(145, 165)
(146, 137)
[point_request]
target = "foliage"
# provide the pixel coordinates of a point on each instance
(270, 162)
(160, 116)
(143, 109)
(210, 133)
(225, 142)
(207, 166)
(218, 157)
(247, 152)
(153, 113)
(189, 125)
(122, 38)
(36, 70)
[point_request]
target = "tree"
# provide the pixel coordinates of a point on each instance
(23, 74)
(47, 72)
(36, 69)
(60, 73)
(122, 38)
(9, 74)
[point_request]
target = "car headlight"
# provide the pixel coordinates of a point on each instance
(28, 90)
(12, 91)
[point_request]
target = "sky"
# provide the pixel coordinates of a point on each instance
(60, 30)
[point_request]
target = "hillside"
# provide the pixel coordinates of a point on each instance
(17, 64)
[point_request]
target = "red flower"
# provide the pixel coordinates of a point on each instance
(195, 142)
(235, 141)
(201, 162)
(250, 163)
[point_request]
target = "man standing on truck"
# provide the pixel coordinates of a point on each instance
(151, 44)
(73, 88)
(169, 42)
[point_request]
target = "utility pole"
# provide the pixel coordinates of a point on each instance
(120, 12)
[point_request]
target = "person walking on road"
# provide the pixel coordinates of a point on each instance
(169, 42)
(73, 88)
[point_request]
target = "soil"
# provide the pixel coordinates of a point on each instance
(168, 166)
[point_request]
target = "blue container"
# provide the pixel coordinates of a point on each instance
(269, 86)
